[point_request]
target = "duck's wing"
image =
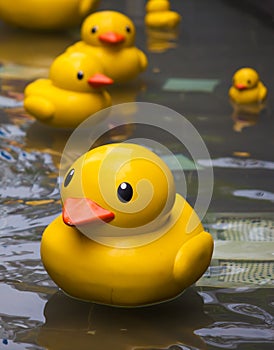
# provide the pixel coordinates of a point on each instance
(193, 258)
(39, 107)
(262, 92)
(143, 60)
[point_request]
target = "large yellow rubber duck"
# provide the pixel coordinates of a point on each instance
(158, 14)
(71, 94)
(123, 236)
(110, 36)
(46, 14)
(247, 87)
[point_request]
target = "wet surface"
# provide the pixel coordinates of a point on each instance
(190, 71)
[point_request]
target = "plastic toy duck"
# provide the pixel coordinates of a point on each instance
(110, 36)
(46, 14)
(247, 87)
(159, 14)
(71, 94)
(123, 236)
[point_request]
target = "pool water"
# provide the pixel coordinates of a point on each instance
(190, 71)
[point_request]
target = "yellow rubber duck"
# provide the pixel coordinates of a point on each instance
(110, 36)
(46, 14)
(123, 236)
(158, 14)
(71, 94)
(247, 87)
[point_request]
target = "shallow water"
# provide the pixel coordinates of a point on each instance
(231, 306)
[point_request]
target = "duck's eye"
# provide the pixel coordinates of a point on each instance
(80, 75)
(249, 82)
(128, 29)
(69, 177)
(125, 192)
(94, 29)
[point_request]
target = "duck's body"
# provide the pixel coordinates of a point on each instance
(62, 108)
(110, 263)
(135, 276)
(163, 19)
(158, 15)
(112, 42)
(46, 14)
(66, 99)
(247, 87)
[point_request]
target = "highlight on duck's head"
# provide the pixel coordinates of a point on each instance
(124, 184)
(110, 29)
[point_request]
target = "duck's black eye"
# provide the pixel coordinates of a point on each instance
(249, 82)
(125, 192)
(69, 177)
(80, 75)
(128, 29)
(94, 29)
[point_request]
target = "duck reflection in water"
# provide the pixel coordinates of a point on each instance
(244, 116)
(72, 324)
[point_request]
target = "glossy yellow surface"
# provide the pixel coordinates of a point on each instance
(110, 36)
(158, 14)
(145, 254)
(67, 98)
(247, 87)
(46, 14)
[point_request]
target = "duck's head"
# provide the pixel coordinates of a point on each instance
(245, 78)
(123, 184)
(76, 71)
(157, 5)
(109, 29)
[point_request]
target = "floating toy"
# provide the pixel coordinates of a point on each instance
(110, 36)
(46, 14)
(247, 87)
(158, 14)
(72, 93)
(123, 238)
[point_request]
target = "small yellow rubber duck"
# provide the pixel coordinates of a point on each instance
(123, 236)
(110, 36)
(71, 94)
(247, 87)
(158, 14)
(46, 14)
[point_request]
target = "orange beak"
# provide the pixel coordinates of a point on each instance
(81, 211)
(99, 80)
(241, 86)
(111, 38)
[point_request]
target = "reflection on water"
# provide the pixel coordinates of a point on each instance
(255, 194)
(70, 322)
(237, 321)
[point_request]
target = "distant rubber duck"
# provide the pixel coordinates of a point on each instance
(123, 236)
(71, 94)
(247, 87)
(110, 36)
(158, 14)
(46, 14)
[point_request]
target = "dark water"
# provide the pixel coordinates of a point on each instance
(231, 306)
